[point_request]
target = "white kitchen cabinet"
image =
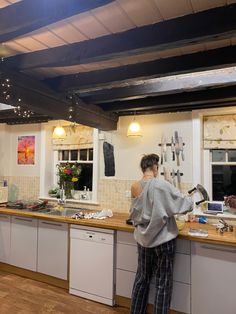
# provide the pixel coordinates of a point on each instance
(213, 278)
(53, 249)
(23, 251)
(181, 297)
(5, 238)
(180, 300)
(126, 266)
(126, 263)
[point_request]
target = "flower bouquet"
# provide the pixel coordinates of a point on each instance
(68, 175)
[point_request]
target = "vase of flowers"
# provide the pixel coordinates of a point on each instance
(68, 174)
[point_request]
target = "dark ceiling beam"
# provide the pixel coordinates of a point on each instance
(10, 117)
(179, 108)
(160, 86)
(190, 29)
(211, 59)
(26, 16)
(41, 99)
(216, 95)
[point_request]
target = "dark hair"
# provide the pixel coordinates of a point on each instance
(148, 161)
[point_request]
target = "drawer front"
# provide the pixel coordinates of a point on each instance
(182, 268)
(25, 221)
(124, 283)
(180, 300)
(127, 257)
(126, 238)
(183, 246)
(53, 225)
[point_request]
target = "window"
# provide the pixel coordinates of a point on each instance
(223, 173)
(84, 158)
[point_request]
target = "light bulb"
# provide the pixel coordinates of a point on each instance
(59, 133)
(134, 129)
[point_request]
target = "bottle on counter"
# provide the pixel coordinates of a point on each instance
(87, 194)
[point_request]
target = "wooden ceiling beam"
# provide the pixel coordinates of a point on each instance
(85, 114)
(216, 95)
(206, 60)
(41, 99)
(10, 117)
(179, 108)
(160, 86)
(26, 16)
(178, 32)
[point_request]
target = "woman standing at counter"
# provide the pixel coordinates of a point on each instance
(155, 202)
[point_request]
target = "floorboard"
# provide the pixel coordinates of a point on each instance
(20, 295)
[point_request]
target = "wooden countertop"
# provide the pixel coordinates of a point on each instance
(118, 222)
(214, 237)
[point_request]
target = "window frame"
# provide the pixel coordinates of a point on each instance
(49, 159)
(208, 163)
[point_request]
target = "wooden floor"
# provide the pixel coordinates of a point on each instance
(20, 295)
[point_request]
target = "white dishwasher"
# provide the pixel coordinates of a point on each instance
(92, 263)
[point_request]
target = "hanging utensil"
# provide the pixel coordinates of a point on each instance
(173, 148)
(165, 173)
(178, 179)
(162, 144)
(164, 149)
(177, 151)
(181, 147)
(173, 177)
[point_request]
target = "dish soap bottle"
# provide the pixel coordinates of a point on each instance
(87, 194)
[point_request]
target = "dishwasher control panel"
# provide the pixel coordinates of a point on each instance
(92, 236)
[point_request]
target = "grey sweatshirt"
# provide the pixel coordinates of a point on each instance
(153, 212)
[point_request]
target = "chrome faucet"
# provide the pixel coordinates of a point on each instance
(62, 198)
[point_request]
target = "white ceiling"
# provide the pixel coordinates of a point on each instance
(115, 17)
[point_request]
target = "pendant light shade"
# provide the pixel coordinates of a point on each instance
(134, 129)
(59, 133)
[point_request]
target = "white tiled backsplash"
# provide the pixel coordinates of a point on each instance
(112, 193)
(22, 188)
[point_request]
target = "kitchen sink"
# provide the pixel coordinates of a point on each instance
(67, 212)
(64, 212)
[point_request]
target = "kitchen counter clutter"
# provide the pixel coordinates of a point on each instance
(118, 222)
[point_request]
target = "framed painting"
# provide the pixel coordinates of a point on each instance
(26, 150)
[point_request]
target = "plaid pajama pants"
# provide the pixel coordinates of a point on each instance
(154, 262)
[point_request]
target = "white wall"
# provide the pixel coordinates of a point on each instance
(128, 151)
(4, 151)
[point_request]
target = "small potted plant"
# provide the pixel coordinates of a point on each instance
(54, 192)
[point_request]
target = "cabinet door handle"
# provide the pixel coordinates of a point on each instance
(23, 219)
(51, 223)
(218, 249)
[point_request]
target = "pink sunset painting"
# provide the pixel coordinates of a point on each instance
(26, 150)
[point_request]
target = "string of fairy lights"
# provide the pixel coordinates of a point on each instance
(20, 108)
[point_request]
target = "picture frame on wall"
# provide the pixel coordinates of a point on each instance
(26, 150)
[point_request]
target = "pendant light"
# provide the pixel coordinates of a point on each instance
(59, 133)
(134, 129)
